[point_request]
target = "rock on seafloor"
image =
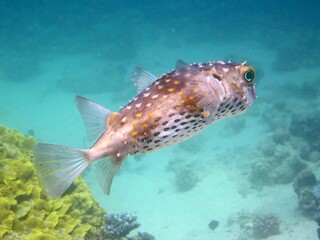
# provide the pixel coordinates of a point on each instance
(213, 224)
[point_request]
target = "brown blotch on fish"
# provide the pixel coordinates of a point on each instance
(134, 133)
(198, 105)
(138, 115)
(145, 124)
(112, 118)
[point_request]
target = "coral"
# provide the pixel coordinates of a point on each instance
(185, 180)
(280, 136)
(119, 225)
(184, 170)
(268, 148)
(242, 218)
(256, 225)
(305, 187)
(267, 171)
(260, 173)
(278, 160)
(316, 193)
(26, 210)
(265, 225)
(306, 127)
(314, 156)
(304, 179)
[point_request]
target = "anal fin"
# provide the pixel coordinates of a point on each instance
(106, 170)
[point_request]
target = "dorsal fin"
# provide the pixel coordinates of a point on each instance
(95, 117)
(182, 66)
(142, 78)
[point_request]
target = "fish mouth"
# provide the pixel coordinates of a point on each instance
(251, 95)
(253, 92)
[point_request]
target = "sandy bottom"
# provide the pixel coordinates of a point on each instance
(168, 214)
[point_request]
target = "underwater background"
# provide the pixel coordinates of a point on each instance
(253, 176)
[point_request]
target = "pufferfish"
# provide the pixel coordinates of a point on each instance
(166, 111)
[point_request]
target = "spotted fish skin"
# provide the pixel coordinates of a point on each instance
(178, 105)
(171, 109)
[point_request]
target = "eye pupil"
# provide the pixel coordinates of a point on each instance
(249, 76)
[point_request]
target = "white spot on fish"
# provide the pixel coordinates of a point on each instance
(138, 105)
(128, 107)
(123, 120)
(146, 94)
(155, 96)
(148, 105)
(225, 70)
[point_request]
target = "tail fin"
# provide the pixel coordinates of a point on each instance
(58, 166)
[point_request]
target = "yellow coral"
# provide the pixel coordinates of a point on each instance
(5, 203)
(22, 209)
(26, 212)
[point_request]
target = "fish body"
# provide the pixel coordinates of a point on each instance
(171, 109)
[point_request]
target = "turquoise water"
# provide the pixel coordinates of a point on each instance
(52, 50)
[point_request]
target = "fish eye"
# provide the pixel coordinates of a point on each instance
(249, 76)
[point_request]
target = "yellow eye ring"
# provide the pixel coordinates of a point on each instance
(249, 76)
